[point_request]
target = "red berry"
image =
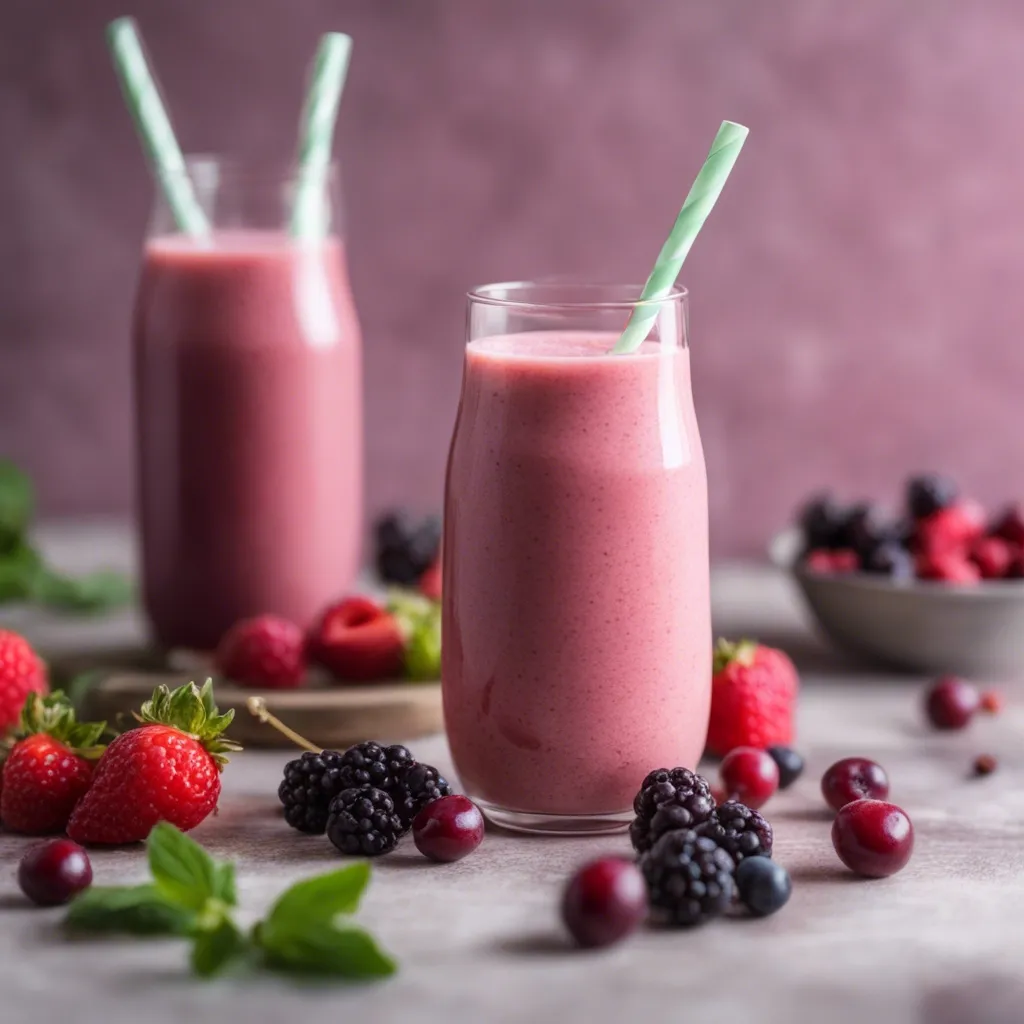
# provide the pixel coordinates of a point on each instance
(1009, 524)
(951, 703)
(357, 641)
(854, 778)
(21, 673)
(157, 772)
(605, 901)
(828, 562)
(947, 567)
(750, 776)
(951, 530)
(753, 697)
(430, 582)
(51, 873)
(985, 764)
(266, 651)
(42, 782)
(993, 557)
(448, 829)
(991, 702)
(873, 838)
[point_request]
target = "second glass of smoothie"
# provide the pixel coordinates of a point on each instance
(248, 412)
(577, 627)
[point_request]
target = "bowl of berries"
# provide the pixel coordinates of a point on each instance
(937, 587)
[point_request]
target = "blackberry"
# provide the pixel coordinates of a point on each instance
(929, 493)
(890, 559)
(669, 799)
(868, 527)
(739, 830)
(689, 878)
(310, 784)
(416, 786)
(363, 822)
(404, 547)
(821, 521)
(369, 764)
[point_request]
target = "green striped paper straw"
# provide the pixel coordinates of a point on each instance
(327, 79)
(154, 127)
(704, 193)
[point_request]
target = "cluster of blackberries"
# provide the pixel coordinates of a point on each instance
(696, 857)
(405, 547)
(365, 799)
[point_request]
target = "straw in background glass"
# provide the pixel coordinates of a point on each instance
(699, 202)
(154, 127)
(327, 79)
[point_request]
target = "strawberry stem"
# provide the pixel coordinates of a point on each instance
(258, 706)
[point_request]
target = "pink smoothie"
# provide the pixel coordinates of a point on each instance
(577, 633)
(248, 404)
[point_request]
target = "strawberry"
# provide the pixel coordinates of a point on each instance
(947, 567)
(753, 697)
(49, 767)
(993, 557)
(952, 529)
(430, 582)
(266, 652)
(357, 641)
(167, 769)
(21, 673)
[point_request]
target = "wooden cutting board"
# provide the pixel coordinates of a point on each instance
(329, 715)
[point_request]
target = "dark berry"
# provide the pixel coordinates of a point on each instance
(689, 878)
(854, 778)
(51, 873)
(868, 527)
(604, 902)
(763, 886)
(310, 784)
(821, 521)
(1009, 524)
(739, 830)
(415, 786)
(363, 822)
(889, 559)
(405, 547)
(951, 703)
(929, 493)
(370, 764)
(448, 829)
(669, 799)
(985, 764)
(749, 775)
(873, 838)
(790, 765)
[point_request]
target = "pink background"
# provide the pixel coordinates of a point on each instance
(857, 297)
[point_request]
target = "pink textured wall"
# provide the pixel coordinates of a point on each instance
(858, 301)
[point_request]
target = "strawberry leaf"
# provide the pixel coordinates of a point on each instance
(214, 948)
(182, 870)
(131, 910)
(193, 712)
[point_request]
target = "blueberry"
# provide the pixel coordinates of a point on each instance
(791, 764)
(821, 521)
(890, 560)
(866, 527)
(425, 542)
(928, 493)
(392, 530)
(405, 547)
(764, 885)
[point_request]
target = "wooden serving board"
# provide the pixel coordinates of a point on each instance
(328, 714)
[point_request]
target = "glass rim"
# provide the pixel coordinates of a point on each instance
(237, 168)
(482, 294)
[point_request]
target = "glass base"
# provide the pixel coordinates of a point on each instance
(555, 824)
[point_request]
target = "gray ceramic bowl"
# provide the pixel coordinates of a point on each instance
(918, 626)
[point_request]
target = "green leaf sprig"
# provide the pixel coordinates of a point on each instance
(192, 895)
(24, 574)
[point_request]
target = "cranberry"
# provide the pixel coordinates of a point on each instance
(985, 764)
(448, 829)
(873, 838)
(854, 778)
(604, 902)
(51, 873)
(951, 703)
(749, 775)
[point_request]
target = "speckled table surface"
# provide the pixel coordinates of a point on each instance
(479, 941)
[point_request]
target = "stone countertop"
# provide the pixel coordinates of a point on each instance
(480, 941)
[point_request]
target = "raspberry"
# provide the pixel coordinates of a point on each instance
(266, 652)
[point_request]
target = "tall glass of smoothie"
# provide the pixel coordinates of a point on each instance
(577, 632)
(248, 407)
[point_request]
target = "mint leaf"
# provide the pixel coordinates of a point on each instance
(133, 910)
(93, 592)
(183, 871)
(20, 567)
(224, 883)
(16, 504)
(347, 952)
(214, 948)
(319, 899)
